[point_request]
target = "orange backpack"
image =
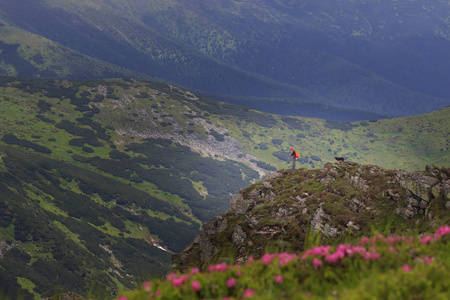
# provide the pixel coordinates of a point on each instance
(296, 155)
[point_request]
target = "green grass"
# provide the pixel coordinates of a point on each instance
(29, 286)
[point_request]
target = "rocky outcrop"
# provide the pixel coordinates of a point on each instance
(337, 200)
(421, 189)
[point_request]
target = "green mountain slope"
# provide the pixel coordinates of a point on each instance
(29, 55)
(102, 179)
(344, 54)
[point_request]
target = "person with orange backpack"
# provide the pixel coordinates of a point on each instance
(294, 155)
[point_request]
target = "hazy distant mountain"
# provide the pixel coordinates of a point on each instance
(388, 57)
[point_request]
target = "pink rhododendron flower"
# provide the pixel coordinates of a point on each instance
(379, 236)
(441, 231)
(391, 239)
(171, 276)
(343, 247)
(365, 240)
(427, 259)
(278, 279)
(318, 250)
(285, 258)
(358, 249)
(406, 268)
(249, 293)
(122, 298)
(371, 255)
(267, 258)
(147, 286)
(158, 292)
(195, 285)
(426, 239)
(218, 268)
(195, 271)
(179, 281)
(392, 249)
(231, 282)
(316, 263)
(334, 258)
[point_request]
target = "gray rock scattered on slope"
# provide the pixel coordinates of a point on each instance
(411, 193)
(239, 236)
(320, 221)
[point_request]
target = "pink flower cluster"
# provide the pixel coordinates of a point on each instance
(441, 231)
(249, 293)
(341, 251)
(318, 251)
(284, 258)
(231, 282)
(195, 285)
(218, 268)
(177, 280)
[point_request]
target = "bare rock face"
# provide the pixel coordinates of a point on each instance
(240, 204)
(356, 180)
(421, 189)
(419, 185)
(447, 190)
(215, 226)
(207, 249)
(239, 236)
(320, 223)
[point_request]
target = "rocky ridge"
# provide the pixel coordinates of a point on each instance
(152, 116)
(339, 201)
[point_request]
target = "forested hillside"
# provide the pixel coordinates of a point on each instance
(385, 58)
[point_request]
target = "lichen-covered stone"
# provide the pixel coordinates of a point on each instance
(215, 226)
(239, 236)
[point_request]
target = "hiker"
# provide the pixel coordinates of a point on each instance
(294, 155)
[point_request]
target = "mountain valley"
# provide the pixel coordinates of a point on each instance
(102, 180)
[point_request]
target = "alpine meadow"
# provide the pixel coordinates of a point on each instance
(145, 149)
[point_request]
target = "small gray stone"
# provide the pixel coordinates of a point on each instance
(239, 236)
(423, 204)
(447, 205)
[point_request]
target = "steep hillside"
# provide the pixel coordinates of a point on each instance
(341, 202)
(365, 55)
(28, 55)
(102, 179)
(78, 214)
